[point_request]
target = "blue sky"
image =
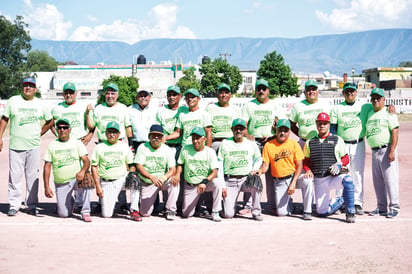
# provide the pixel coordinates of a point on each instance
(135, 20)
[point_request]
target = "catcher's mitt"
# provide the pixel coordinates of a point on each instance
(87, 182)
(132, 181)
(254, 181)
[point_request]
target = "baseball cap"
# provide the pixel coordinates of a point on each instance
(62, 121)
(144, 91)
(156, 129)
(30, 80)
(378, 91)
(349, 85)
(113, 125)
(70, 86)
(174, 88)
(283, 123)
(198, 131)
(311, 83)
(323, 117)
(238, 122)
(262, 82)
(225, 86)
(193, 91)
(111, 85)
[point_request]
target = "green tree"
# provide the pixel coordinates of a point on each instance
(14, 46)
(406, 64)
(40, 61)
(279, 75)
(217, 72)
(128, 86)
(188, 80)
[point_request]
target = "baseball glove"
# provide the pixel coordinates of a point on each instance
(87, 182)
(132, 181)
(254, 181)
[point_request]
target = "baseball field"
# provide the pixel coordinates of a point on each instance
(48, 244)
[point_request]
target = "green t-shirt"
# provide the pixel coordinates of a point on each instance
(103, 114)
(260, 117)
(239, 158)
(188, 120)
(379, 126)
(197, 165)
(65, 158)
(305, 114)
(340, 148)
(348, 119)
(167, 118)
(222, 118)
(156, 161)
(112, 160)
(75, 113)
(25, 118)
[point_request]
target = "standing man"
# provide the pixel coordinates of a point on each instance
(69, 159)
(156, 165)
(111, 160)
(285, 158)
(326, 161)
(25, 113)
(199, 164)
(261, 115)
(382, 132)
(240, 157)
(222, 115)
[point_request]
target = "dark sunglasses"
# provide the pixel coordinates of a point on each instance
(27, 85)
(63, 127)
(261, 88)
(68, 91)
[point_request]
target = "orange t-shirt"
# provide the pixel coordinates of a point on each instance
(282, 157)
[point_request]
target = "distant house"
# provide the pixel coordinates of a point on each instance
(389, 78)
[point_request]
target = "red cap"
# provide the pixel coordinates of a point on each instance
(323, 116)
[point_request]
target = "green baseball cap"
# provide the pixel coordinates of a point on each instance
(311, 83)
(349, 85)
(70, 86)
(193, 91)
(113, 125)
(199, 131)
(63, 121)
(238, 122)
(174, 88)
(283, 123)
(378, 91)
(225, 86)
(112, 86)
(30, 80)
(262, 82)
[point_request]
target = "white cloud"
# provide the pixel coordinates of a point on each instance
(92, 18)
(358, 15)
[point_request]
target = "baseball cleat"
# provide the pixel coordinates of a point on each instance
(350, 218)
(377, 212)
(359, 210)
(12, 213)
(135, 216)
(393, 213)
(258, 218)
(170, 216)
(216, 217)
(307, 216)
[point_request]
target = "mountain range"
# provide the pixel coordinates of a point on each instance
(336, 53)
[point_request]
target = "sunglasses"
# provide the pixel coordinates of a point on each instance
(29, 85)
(68, 91)
(63, 127)
(261, 88)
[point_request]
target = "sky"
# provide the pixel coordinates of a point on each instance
(131, 21)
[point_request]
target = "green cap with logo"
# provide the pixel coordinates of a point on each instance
(348, 85)
(262, 82)
(283, 123)
(311, 83)
(113, 125)
(225, 86)
(62, 121)
(69, 86)
(238, 122)
(193, 91)
(199, 131)
(112, 86)
(378, 91)
(174, 88)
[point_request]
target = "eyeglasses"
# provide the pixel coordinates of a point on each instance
(63, 127)
(28, 85)
(68, 91)
(311, 88)
(261, 88)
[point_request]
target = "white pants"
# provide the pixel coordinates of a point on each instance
(191, 196)
(323, 186)
(149, 193)
(111, 190)
(64, 198)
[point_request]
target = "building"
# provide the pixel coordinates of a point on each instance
(389, 78)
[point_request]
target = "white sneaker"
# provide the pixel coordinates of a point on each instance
(216, 217)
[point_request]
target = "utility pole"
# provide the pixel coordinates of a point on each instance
(225, 55)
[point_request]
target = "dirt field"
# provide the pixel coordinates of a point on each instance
(47, 244)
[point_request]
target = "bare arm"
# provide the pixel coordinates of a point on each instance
(49, 124)
(48, 192)
(208, 136)
(3, 123)
(174, 135)
(95, 174)
(263, 168)
(294, 128)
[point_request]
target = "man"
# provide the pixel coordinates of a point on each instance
(142, 116)
(303, 114)
(156, 165)
(326, 161)
(68, 157)
(111, 160)
(285, 158)
(240, 157)
(261, 115)
(25, 113)
(77, 113)
(200, 165)
(222, 114)
(382, 133)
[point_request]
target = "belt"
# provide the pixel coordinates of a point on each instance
(304, 140)
(235, 176)
(354, 141)
(379, 147)
(109, 180)
(101, 141)
(192, 184)
(218, 139)
(284, 178)
(173, 145)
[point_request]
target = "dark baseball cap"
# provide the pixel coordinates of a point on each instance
(156, 129)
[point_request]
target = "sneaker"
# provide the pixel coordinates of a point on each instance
(258, 218)
(376, 212)
(32, 211)
(136, 216)
(393, 213)
(77, 209)
(86, 217)
(359, 210)
(350, 218)
(170, 216)
(12, 212)
(244, 211)
(307, 216)
(216, 217)
(124, 210)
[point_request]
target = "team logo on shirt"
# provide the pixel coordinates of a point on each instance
(284, 153)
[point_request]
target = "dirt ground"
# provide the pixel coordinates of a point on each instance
(47, 244)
